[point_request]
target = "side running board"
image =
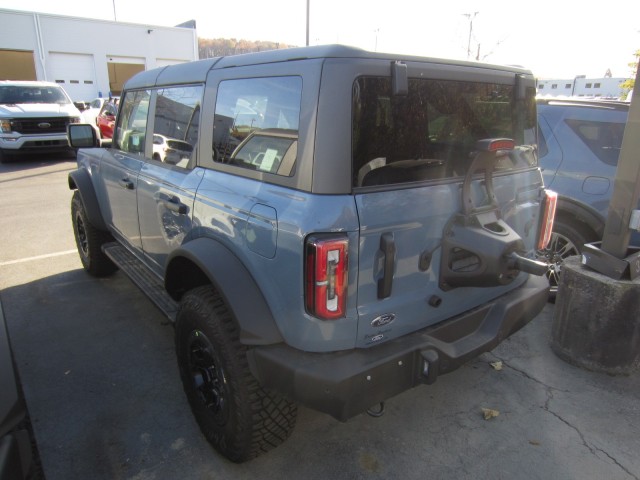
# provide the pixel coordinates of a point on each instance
(147, 281)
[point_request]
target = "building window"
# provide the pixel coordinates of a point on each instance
(596, 85)
(554, 86)
(588, 85)
(568, 85)
(541, 86)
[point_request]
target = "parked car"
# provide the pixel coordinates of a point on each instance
(106, 118)
(90, 114)
(579, 143)
(372, 231)
(171, 150)
(34, 118)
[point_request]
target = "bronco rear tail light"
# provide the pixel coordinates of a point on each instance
(326, 276)
(549, 212)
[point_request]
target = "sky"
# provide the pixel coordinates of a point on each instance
(554, 39)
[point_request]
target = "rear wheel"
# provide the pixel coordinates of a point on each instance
(236, 415)
(567, 240)
(89, 241)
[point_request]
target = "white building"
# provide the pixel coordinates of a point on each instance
(87, 57)
(580, 86)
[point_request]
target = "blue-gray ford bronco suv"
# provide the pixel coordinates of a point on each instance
(344, 225)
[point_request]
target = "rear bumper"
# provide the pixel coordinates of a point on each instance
(344, 384)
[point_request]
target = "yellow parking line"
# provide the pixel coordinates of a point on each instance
(38, 257)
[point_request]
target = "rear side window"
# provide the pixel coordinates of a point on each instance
(431, 133)
(604, 139)
(176, 125)
(132, 122)
(256, 123)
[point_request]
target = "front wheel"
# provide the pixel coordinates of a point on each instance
(89, 241)
(236, 415)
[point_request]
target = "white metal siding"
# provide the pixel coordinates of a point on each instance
(43, 34)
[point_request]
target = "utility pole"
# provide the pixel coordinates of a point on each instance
(114, 11)
(308, 1)
(470, 16)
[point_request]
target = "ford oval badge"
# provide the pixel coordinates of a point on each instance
(384, 319)
(44, 125)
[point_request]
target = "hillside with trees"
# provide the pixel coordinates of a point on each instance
(218, 47)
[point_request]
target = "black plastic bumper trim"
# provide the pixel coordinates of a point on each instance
(346, 383)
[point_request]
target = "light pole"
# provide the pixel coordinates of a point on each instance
(114, 11)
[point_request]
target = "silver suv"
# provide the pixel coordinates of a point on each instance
(345, 226)
(579, 143)
(34, 118)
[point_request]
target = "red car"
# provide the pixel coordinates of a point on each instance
(106, 119)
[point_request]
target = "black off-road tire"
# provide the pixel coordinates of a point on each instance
(89, 241)
(4, 157)
(236, 415)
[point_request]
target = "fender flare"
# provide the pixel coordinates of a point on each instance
(232, 280)
(584, 213)
(81, 181)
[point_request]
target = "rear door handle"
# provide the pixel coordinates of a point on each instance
(388, 248)
(175, 205)
(126, 184)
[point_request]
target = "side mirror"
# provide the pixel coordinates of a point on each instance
(82, 135)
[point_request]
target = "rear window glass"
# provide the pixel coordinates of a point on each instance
(604, 139)
(431, 133)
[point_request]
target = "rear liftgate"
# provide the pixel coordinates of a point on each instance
(478, 248)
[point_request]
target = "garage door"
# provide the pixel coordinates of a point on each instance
(17, 65)
(75, 73)
(122, 69)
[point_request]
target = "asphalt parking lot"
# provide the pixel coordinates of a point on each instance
(98, 369)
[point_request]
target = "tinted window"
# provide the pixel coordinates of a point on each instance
(175, 131)
(604, 139)
(432, 132)
(132, 122)
(256, 123)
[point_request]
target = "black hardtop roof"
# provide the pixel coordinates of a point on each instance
(196, 72)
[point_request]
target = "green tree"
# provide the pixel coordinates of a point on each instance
(628, 84)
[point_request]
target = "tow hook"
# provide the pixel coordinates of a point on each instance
(430, 365)
(376, 413)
